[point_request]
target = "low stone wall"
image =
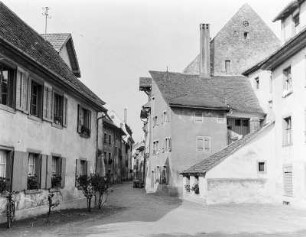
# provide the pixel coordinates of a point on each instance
(35, 202)
(236, 191)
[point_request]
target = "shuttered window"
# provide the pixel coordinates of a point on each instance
(58, 113)
(36, 104)
(34, 171)
(203, 144)
(287, 131)
(22, 91)
(58, 172)
(7, 85)
(84, 121)
(3, 160)
(288, 185)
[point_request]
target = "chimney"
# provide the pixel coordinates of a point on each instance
(125, 115)
(204, 50)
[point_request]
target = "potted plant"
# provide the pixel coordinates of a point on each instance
(195, 188)
(56, 181)
(32, 182)
(187, 188)
(58, 120)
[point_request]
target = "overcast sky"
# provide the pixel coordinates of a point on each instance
(117, 41)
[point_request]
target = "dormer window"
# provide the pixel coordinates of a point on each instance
(257, 83)
(296, 19)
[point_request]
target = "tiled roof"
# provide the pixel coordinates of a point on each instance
(17, 34)
(215, 92)
(145, 82)
(57, 40)
(215, 159)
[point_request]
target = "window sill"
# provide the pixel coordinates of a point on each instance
(34, 191)
(7, 108)
(34, 118)
(58, 126)
(84, 135)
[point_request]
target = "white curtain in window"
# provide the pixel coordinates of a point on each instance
(3, 157)
(31, 164)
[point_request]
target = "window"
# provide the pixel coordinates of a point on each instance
(7, 85)
(227, 66)
(296, 20)
(83, 167)
(105, 158)
(164, 176)
(257, 83)
(168, 144)
(237, 122)
(105, 138)
(261, 167)
(198, 116)
(287, 79)
(109, 139)
(155, 121)
(287, 131)
(58, 109)
(287, 180)
(3, 163)
(36, 99)
(56, 172)
(203, 144)
(245, 122)
(155, 147)
(110, 158)
(33, 171)
(165, 117)
(246, 35)
(221, 119)
(271, 84)
(84, 121)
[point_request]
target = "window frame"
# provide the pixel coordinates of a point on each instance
(36, 167)
(204, 139)
(11, 85)
(40, 98)
(82, 128)
(287, 80)
(287, 131)
(264, 171)
(196, 118)
(59, 94)
(257, 83)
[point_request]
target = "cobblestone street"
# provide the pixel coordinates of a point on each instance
(140, 214)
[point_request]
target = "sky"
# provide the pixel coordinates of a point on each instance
(118, 41)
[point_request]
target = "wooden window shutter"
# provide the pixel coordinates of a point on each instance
(47, 103)
(20, 171)
(287, 179)
(19, 85)
(9, 169)
(79, 124)
(38, 165)
(25, 94)
(48, 171)
(77, 171)
(63, 171)
(43, 176)
(65, 111)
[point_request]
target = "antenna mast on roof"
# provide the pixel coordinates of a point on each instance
(46, 14)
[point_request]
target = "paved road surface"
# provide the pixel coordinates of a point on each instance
(156, 216)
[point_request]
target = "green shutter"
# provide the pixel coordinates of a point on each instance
(20, 171)
(63, 171)
(43, 176)
(49, 171)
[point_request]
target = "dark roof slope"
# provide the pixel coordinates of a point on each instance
(216, 92)
(145, 83)
(215, 159)
(17, 34)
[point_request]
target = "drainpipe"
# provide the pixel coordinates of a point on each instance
(97, 142)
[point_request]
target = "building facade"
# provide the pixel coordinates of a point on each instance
(279, 83)
(192, 115)
(44, 109)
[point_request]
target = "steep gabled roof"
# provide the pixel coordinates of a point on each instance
(58, 41)
(219, 92)
(215, 159)
(230, 44)
(17, 35)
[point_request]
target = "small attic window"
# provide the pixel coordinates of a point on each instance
(246, 35)
(296, 19)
